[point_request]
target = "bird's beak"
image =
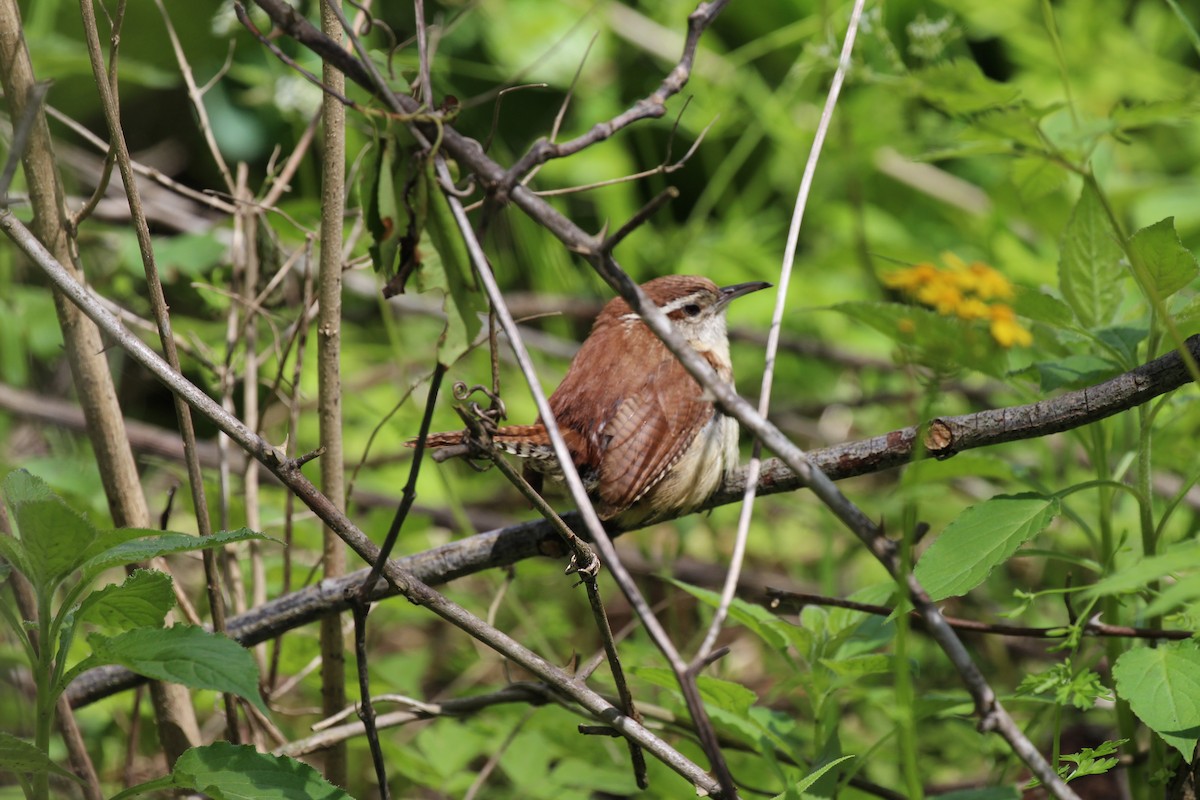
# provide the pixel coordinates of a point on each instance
(730, 293)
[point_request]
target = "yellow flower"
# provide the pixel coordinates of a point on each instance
(987, 283)
(912, 278)
(973, 308)
(1006, 330)
(942, 296)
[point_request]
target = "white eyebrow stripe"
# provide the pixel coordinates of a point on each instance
(670, 307)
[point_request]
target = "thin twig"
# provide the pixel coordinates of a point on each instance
(794, 601)
(784, 280)
(400, 578)
(162, 319)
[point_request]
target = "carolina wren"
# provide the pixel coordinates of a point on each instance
(644, 437)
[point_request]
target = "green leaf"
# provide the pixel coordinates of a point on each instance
(989, 793)
(810, 779)
(20, 486)
(726, 695)
(1037, 177)
(1165, 263)
(1135, 577)
(1183, 591)
(183, 654)
(384, 217)
(860, 665)
(959, 86)
(1041, 307)
(144, 549)
(463, 302)
(225, 771)
(54, 537)
(1089, 267)
(1073, 372)
(142, 601)
(23, 758)
(1162, 685)
(946, 344)
(982, 537)
(767, 626)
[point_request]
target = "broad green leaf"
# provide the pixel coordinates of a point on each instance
(860, 665)
(1135, 577)
(958, 86)
(463, 301)
(1183, 591)
(54, 537)
(183, 654)
(1036, 177)
(142, 601)
(1041, 307)
(770, 628)
(981, 538)
(133, 551)
(21, 486)
(1089, 267)
(225, 771)
(23, 758)
(810, 779)
(1162, 685)
(1168, 266)
(727, 695)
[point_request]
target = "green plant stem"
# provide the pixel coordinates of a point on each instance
(1098, 453)
(44, 688)
(906, 701)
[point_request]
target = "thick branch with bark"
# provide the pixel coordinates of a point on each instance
(505, 546)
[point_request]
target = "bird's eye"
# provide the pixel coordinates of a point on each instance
(691, 309)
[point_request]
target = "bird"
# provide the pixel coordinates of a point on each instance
(647, 440)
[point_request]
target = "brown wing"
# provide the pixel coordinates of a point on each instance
(651, 429)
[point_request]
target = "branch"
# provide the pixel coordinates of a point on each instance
(288, 471)
(505, 546)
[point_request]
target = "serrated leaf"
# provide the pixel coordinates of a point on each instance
(21, 486)
(142, 601)
(183, 654)
(1162, 686)
(143, 549)
(1089, 267)
(54, 537)
(225, 771)
(958, 86)
(981, 538)
(23, 758)
(1167, 265)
